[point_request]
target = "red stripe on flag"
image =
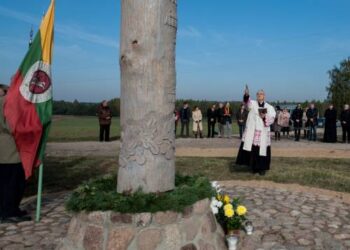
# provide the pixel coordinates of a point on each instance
(26, 127)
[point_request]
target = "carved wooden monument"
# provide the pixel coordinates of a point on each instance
(148, 82)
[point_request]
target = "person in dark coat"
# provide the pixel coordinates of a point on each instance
(312, 116)
(297, 118)
(220, 119)
(330, 129)
(241, 117)
(185, 116)
(12, 177)
(345, 123)
(105, 119)
(211, 116)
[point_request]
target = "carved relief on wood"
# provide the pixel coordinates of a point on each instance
(152, 135)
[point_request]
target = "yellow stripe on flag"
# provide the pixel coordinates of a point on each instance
(46, 33)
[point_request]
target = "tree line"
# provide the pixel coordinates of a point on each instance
(89, 108)
(339, 85)
(77, 108)
(338, 94)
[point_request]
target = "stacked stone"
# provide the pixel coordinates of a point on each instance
(195, 228)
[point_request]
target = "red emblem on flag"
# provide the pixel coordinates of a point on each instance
(40, 82)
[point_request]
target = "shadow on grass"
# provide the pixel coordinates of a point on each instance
(80, 139)
(66, 173)
(234, 168)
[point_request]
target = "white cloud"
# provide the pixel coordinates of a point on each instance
(18, 15)
(259, 43)
(189, 31)
(86, 36)
(186, 62)
(219, 37)
(66, 31)
(7, 41)
(331, 44)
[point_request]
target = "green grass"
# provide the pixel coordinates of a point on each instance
(66, 173)
(333, 174)
(79, 128)
(86, 128)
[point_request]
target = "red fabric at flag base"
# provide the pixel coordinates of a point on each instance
(27, 128)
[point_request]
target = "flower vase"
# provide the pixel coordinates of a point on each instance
(232, 238)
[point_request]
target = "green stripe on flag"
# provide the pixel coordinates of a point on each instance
(33, 55)
(44, 111)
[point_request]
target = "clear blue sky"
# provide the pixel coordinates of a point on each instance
(284, 47)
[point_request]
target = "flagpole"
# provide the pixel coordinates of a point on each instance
(40, 188)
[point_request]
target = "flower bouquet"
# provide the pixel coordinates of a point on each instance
(230, 213)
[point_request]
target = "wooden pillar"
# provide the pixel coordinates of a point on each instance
(148, 83)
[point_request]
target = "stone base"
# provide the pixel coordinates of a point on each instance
(195, 229)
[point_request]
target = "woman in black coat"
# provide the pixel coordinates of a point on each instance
(297, 117)
(330, 128)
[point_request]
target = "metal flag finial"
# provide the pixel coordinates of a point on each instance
(31, 36)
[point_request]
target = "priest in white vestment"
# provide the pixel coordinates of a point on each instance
(255, 149)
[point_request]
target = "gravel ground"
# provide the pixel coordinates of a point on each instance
(215, 147)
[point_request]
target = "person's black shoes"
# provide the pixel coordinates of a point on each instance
(20, 216)
(21, 213)
(16, 219)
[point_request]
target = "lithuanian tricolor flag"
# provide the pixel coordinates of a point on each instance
(28, 104)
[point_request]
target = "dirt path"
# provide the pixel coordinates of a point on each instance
(208, 148)
(277, 152)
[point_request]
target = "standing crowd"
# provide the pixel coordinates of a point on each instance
(216, 114)
(308, 120)
(255, 148)
(302, 121)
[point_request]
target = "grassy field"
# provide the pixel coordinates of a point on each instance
(86, 128)
(79, 128)
(66, 173)
(333, 174)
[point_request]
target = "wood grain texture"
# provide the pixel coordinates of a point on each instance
(148, 83)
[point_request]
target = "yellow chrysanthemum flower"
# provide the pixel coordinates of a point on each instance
(227, 199)
(219, 197)
(229, 213)
(228, 206)
(241, 210)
